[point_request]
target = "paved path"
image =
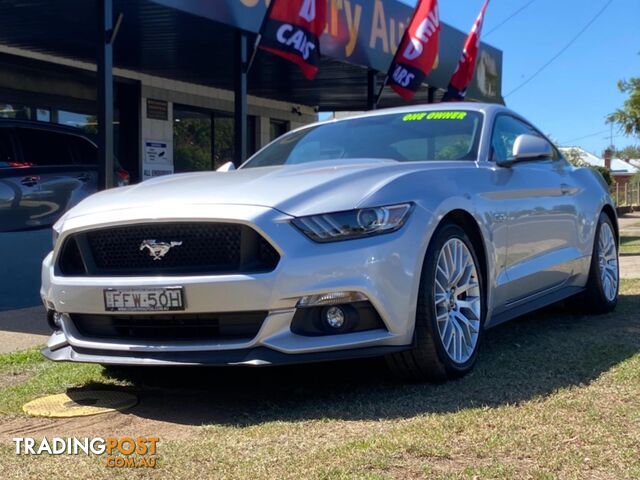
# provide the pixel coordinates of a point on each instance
(630, 264)
(23, 328)
(626, 221)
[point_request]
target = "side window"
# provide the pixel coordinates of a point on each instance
(43, 148)
(505, 132)
(7, 153)
(82, 150)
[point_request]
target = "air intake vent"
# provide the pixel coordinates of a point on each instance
(167, 249)
(182, 327)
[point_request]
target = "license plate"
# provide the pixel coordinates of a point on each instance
(144, 299)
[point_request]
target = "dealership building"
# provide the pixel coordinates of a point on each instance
(172, 76)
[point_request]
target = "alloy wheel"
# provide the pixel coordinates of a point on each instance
(608, 262)
(458, 301)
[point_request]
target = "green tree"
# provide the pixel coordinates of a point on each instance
(192, 144)
(632, 151)
(606, 174)
(574, 158)
(628, 117)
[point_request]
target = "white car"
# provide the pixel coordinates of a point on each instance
(403, 232)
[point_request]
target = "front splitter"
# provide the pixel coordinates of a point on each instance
(252, 357)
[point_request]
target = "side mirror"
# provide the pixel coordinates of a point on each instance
(227, 167)
(528, 147)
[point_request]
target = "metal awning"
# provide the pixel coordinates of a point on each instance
(193, 41)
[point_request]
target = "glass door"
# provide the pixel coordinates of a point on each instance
(203, 139)
(223, 139)
(192, 133)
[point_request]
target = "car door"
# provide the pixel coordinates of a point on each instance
(56, 180)
(85, 158)
(541, 216)
(17, 188)
(21, 202)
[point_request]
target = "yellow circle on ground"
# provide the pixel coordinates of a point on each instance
(80, 403)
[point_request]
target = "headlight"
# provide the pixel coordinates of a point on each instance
(365, 222)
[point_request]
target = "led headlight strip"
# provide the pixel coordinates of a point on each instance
(351, 224)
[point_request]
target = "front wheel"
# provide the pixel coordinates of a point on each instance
(450, 313)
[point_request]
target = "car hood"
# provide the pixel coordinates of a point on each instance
(305, 189)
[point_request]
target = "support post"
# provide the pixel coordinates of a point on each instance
(626, 194)
(240, 99)
(371, 89)
(431, 94)
(104, 62)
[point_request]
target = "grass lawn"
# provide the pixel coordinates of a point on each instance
(553, 395)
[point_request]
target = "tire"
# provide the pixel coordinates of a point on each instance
(598, 297)
(431, 359)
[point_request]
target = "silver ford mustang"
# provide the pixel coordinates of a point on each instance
(404, 233)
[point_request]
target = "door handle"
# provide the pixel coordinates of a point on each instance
(29, 181)
(565, 189)
(83, 177)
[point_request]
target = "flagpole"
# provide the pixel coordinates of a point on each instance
(253, 53)
(259, 36)
(379, 95)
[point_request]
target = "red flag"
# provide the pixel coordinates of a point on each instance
(464, 73)
(418, 50)
(292, 30)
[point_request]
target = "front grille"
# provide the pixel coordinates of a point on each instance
(179, 327)
(179, 249)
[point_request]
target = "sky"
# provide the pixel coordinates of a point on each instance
(571, 98)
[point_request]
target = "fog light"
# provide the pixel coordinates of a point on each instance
(334, 317)
(54, 319)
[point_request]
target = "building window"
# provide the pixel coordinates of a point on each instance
(192, 132)
(252, 135)
(10, 110)
(43, 114)
(223, 139)
(85, 121)
(204, 139)
(278, 128)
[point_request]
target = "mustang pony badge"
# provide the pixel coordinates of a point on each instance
(158, 249)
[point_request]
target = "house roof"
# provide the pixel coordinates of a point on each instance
(618, 166)
(634, 161)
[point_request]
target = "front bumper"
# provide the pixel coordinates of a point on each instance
(251, 357)
(382, 268)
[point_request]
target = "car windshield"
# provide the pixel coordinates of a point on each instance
(404, 137)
